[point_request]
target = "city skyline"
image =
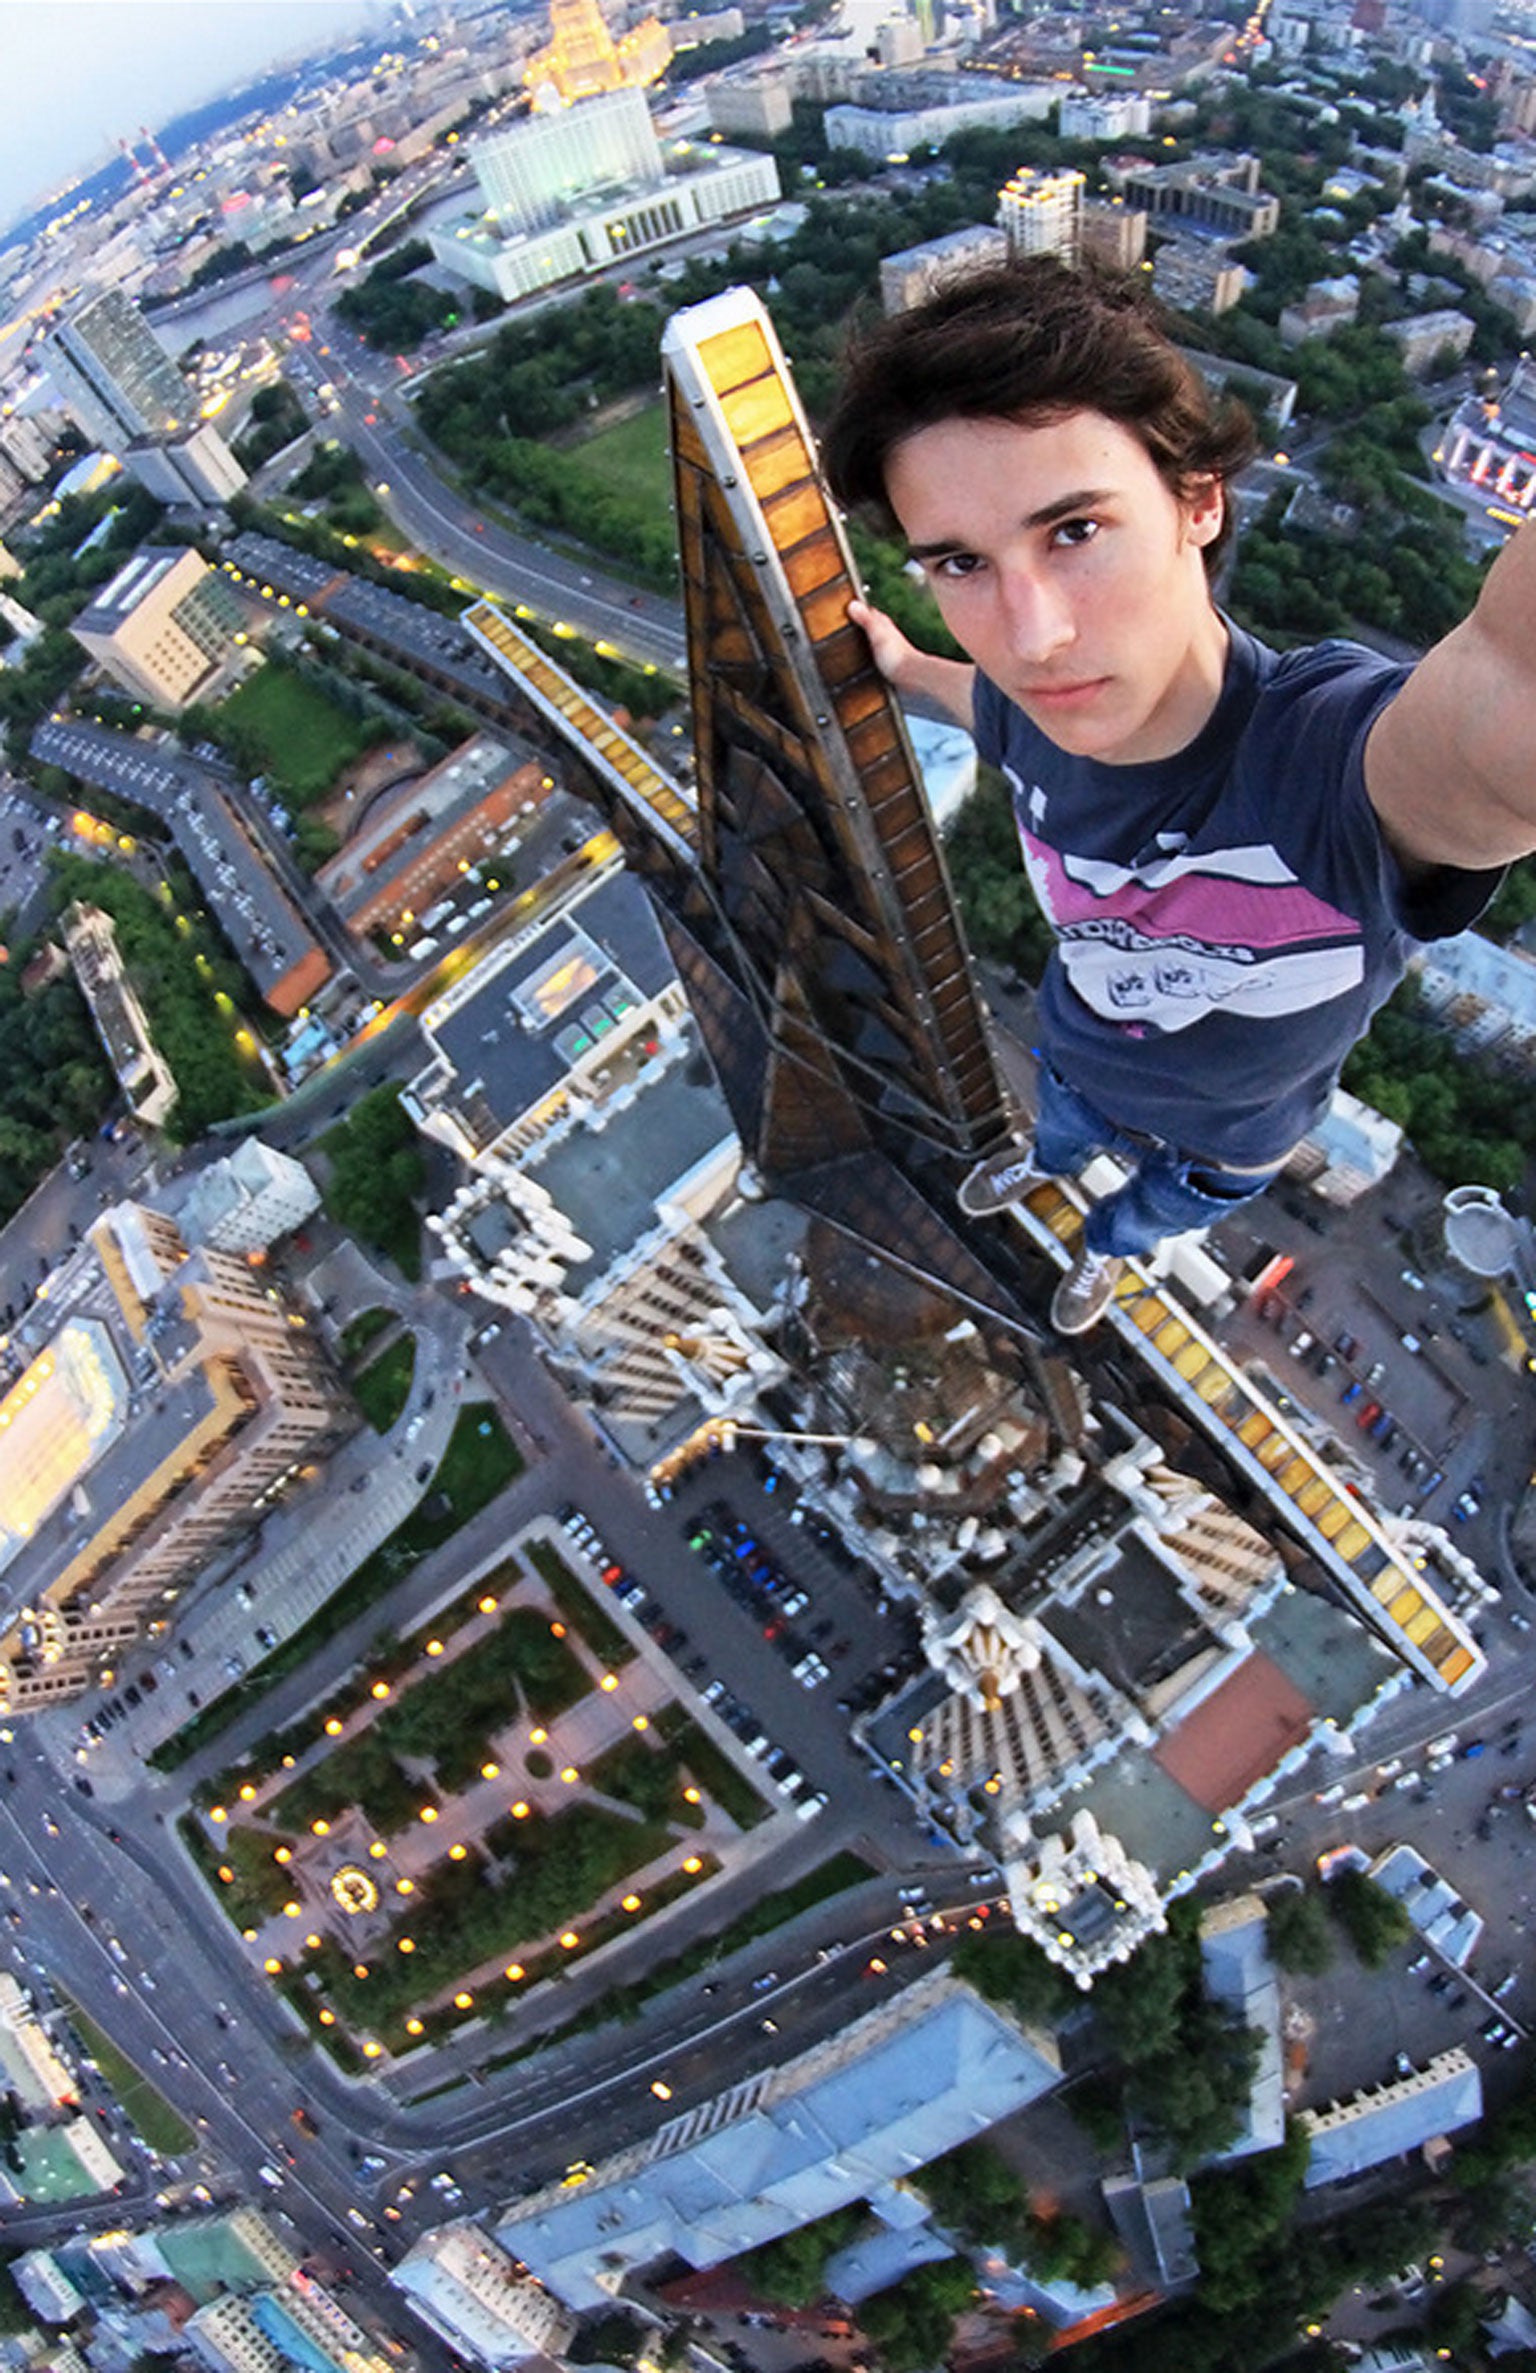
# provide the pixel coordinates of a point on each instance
(130, 63)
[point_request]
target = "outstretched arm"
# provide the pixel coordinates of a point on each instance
(1450, 767)
(949, 683)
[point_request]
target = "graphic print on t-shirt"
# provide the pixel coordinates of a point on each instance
(1171, 938)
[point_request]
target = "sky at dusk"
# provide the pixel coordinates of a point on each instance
(77, 73)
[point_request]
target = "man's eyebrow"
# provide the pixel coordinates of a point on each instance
(1066, 506)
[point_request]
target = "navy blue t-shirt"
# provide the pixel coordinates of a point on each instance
(1229, 919)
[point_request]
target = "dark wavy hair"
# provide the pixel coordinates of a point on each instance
(1030, 342)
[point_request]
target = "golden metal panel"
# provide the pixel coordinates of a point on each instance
(799, 512)
(756, 411)
(777, 462)
(732, 356)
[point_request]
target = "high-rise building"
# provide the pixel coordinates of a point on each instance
(142, 1073)
(583, 60)
(1194, 276)
(1113, 233)
(1042, 213)
(911, 277)
(529, 174)
(168, 1398)
(164, 626)
(115, 375)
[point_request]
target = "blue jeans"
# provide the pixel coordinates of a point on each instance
(1167, 1192)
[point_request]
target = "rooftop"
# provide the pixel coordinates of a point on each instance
(133, 584)
(543, 999)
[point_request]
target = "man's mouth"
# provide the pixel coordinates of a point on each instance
(1053, 696)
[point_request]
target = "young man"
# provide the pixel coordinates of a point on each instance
(1237, 851)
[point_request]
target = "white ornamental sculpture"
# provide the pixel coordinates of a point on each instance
(983, 1650)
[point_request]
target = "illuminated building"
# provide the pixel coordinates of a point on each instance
(138, 1066)
(479, 2299)
(113, 374)
(417, 839)
(1489, 444)
(163, 628)
(168, 1399)
(1041, 213)
(530, 175)
(572, 192)
(583, 60)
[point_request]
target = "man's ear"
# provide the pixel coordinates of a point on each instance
(1205, 507)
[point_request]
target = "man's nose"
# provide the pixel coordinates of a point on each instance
(1038, 616)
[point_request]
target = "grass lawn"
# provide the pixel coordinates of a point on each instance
(305, 739)
(147, 2111)
(382, 1388)
(633, 454)
(359, 1332)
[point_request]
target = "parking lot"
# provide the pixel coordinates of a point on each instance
(1395, 1357)
(779, 1627)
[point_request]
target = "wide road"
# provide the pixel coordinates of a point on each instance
(373, 417)
(108, 1907)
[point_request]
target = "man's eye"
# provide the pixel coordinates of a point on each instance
(1075, 531)
(957, 564)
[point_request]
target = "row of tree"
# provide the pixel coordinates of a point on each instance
(54, 1079)
(180, 969)
(377, 1176)
(466, 1913)
(392, 311)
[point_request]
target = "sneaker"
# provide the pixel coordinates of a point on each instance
(1086, 1292)
(1002, 1179)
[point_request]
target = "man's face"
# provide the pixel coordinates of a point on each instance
(1072, 575)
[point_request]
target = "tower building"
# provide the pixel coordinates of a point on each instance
(114, 374)
(126, 393)
(1042, 214)
(583, 59)
(805, 899)
(803, 896)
